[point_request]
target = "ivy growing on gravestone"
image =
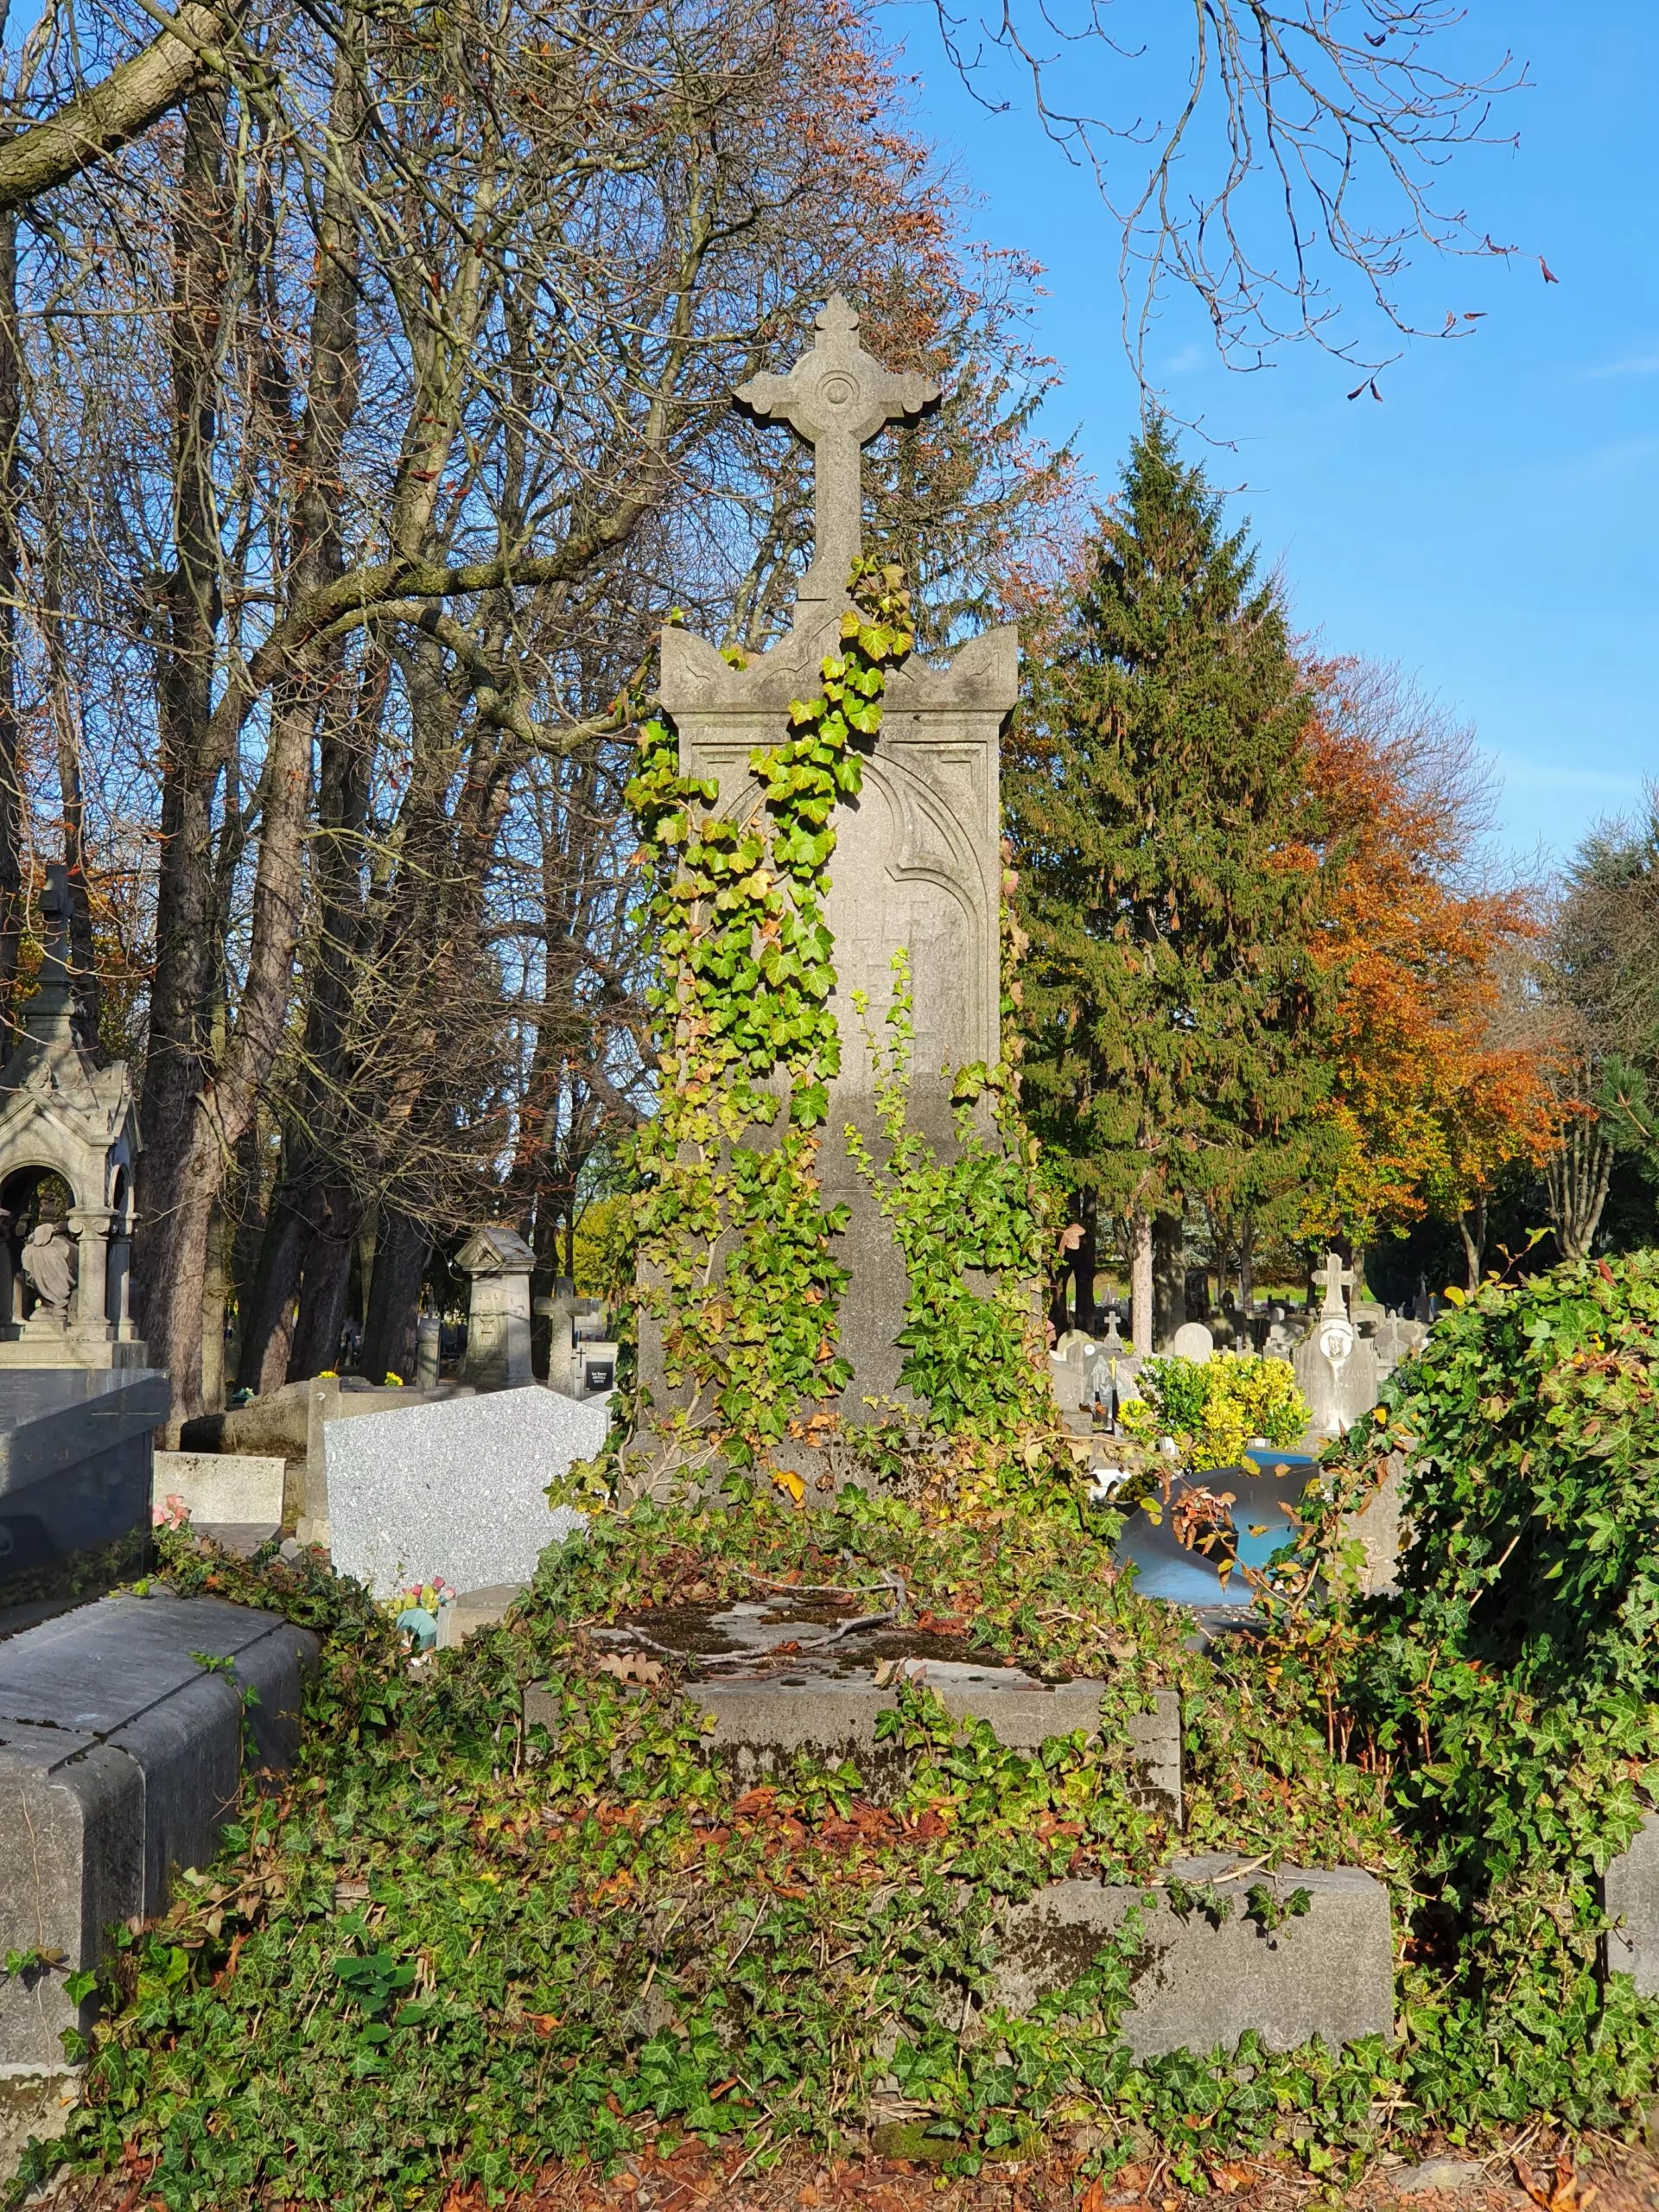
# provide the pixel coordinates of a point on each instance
(733, 1235)
(737, 1261)
(970, 1352)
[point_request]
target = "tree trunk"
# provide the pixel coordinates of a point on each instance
(1169, 1277)
(400, 1254)
(66, 731)
(215, 1109)
(267, 1325)
(1084, 1261)
(215, 1298)
(173, 1211)
(1140, 1301)
(325, 1277)
(11, 766)
(1471, 1226)
(1247, 1264)
(1576, 1179)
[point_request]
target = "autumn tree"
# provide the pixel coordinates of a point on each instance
(1157, 802)
(1440, 1058)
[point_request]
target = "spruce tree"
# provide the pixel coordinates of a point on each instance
(1157, 805)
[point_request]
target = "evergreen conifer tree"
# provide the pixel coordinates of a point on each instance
(1158, 806)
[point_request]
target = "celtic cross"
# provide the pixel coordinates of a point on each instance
(837, 397)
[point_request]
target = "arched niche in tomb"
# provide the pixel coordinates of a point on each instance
(68, 1146)
(906, 876)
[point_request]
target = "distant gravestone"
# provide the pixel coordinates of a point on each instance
(918, 862)
(498, 1318)
(1192, 1340)
(455, 1489)
(1336, 1368)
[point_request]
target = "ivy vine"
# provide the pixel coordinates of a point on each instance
(738, 1268)
(971, 1349)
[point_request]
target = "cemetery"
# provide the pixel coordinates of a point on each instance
(834, 1704)
(828, 1329)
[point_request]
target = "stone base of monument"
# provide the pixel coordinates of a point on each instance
(779, 1675)
(120, 1758)
(73, 1348)
(830, 1709)
(1202, 1980)
(1288, 1967)
(75, 1451)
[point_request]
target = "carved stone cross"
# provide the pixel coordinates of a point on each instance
(1337, 1279)
(837, 397)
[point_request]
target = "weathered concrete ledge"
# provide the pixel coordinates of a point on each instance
(835, 1717)
(763, 1717)
(1630, 1897)
(121, 1757)
(1328, 1971)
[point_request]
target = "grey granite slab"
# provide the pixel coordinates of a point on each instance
(52, 1417)
(455, 1489)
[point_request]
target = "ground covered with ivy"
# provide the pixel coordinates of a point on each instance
(452, 1959)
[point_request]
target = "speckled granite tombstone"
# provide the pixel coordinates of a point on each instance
(917, 861)
(455, 1489)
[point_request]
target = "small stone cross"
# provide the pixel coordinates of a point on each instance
(1337, 1279)
(837, 397)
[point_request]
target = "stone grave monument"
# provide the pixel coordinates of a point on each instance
(917, 861)
(498, 1321)
(68, 1144)
(1336, 1367)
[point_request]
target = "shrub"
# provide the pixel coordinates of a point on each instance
(1213, 1407)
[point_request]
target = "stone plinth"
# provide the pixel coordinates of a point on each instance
(497, 1320)
(75, 1454)
(120, 1758)
(835, 1717)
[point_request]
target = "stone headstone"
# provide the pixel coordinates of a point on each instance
(455, 1489)
(1066, 1375)
(1192, 1340)
(497, 1319)
(1336, 1368)
(918, 862)
(428, 1351)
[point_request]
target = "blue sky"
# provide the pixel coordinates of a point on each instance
(1490, 525)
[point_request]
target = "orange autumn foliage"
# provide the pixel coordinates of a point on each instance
(1440, 1066)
